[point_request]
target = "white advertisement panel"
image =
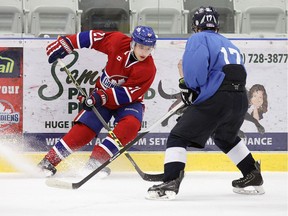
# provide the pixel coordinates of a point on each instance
(50, 99)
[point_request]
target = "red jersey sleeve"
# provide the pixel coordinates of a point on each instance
(104, 42)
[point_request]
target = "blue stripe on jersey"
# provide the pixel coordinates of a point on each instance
(122, 95)
(111, 146)
(62, 149)
(84, 39)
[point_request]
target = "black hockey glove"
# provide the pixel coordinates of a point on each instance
(97, 99)
(187, 94)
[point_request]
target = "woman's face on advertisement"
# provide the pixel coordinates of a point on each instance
(257, 98)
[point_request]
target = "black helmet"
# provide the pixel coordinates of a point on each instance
(205, 18)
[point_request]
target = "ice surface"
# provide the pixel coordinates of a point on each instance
(201, 194)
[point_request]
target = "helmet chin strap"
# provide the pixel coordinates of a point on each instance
(133, 54)
(132, 45)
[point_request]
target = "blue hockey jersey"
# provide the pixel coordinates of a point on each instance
(205, 55)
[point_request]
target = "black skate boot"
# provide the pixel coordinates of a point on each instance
(251, 184)
(166, 190)
(47, 168)
(93, 164)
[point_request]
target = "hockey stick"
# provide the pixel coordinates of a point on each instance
(68, 185)
(144, 176)
(93, 107)
(99, 116)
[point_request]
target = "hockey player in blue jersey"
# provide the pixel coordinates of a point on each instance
(212, 83)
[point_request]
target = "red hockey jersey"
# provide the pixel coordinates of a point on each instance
(124, 82)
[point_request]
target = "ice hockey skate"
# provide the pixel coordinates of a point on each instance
(47, 168)
(165, 191)
(251, 184)
(92, 165)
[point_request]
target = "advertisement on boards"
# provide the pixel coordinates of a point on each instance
(11, 91)
(50, 98)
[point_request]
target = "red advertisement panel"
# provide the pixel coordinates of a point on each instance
(11, 91)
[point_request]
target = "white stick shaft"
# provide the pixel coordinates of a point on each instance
(170, 112)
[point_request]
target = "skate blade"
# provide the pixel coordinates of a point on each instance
(47, 173)
(100, 175)
(44, 173)
(153, 195)
(250, 190)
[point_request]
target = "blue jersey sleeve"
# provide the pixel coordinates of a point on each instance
(195, 63)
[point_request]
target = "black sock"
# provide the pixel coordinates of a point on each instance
(247, 165)
(172, 170)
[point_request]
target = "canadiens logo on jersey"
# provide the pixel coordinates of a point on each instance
(111, 82)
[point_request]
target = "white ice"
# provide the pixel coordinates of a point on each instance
(123, 194)
(201, 194)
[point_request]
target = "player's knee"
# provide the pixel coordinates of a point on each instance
(127, 129)
(176, 141)
(226, 146)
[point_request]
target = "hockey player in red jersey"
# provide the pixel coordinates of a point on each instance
(119, 92)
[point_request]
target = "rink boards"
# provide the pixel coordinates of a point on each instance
(38, 102)
(153, 162)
